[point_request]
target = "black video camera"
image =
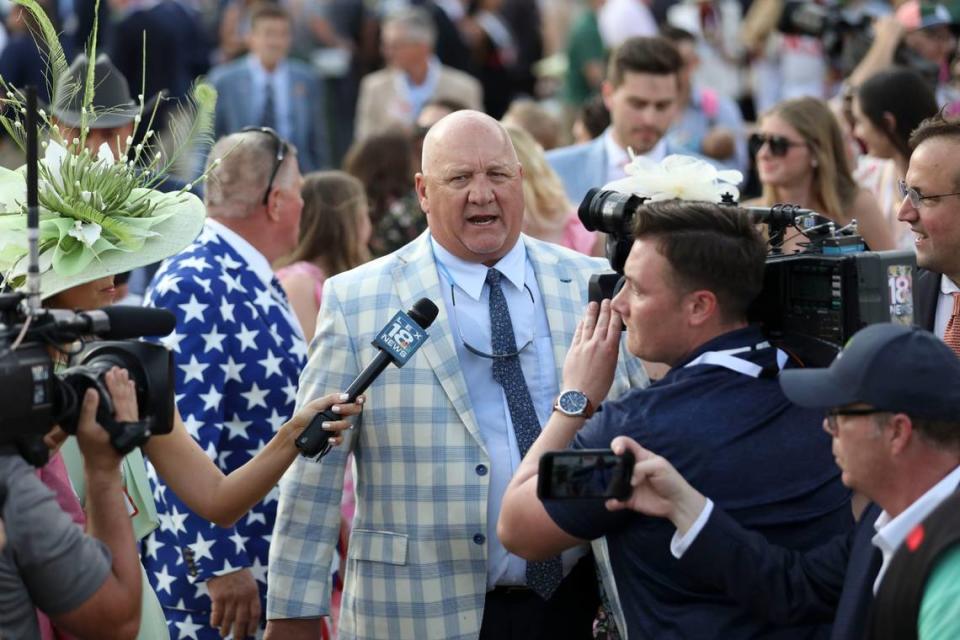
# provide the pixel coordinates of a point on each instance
(812, 302)
(36, 398)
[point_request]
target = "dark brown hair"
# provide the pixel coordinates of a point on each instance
(656, 56)
(384, 164)
(936, 126)
(709, 247)
(267, 10)
(332, 202)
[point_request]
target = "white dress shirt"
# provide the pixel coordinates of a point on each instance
(891, 532)
(470, 322)
(944, 305)
(617, 156)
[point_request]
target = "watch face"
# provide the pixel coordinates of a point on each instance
(573, 402)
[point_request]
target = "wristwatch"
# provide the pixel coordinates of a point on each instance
(573, 403)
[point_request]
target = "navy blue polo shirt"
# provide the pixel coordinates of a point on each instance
(739, 441)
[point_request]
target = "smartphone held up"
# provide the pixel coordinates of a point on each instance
(587, 474)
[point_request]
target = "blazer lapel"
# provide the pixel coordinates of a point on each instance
(414, 278)
(926, 296)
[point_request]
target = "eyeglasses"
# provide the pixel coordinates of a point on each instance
(779, 145)
(833, 427)
(915, 198)
(478, 352)
(277, 161)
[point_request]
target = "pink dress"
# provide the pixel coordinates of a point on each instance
(576, 236)
(54, 475)
(305, 268)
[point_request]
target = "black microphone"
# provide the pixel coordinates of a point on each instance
(397, 342)
(118, 322)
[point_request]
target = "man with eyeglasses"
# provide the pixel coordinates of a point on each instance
(440, 438)
(931, 206)
(238, 351)
(892, 402)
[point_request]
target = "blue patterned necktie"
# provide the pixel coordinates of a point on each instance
(268, 117)
(544, 576)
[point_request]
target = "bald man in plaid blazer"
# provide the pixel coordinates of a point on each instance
(417, 565)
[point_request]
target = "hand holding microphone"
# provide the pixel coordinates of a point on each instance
(397, 342)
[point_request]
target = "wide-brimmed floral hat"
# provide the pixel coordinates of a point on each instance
(100, 211)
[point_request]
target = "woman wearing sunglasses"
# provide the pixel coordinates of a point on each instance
(885, 109)
(801, 160)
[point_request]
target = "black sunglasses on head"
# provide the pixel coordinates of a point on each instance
(278, 160)
(779, 145)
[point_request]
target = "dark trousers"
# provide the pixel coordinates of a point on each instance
(520, 614)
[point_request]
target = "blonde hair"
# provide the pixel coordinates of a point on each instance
(546, 205)
(833, 186)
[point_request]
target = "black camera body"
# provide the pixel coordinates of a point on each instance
(36, 397)
(812, 302)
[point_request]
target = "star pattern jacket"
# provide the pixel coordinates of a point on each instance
(237, 358)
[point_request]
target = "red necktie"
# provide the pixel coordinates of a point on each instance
(952, 335)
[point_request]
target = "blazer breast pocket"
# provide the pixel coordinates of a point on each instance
(378, 546)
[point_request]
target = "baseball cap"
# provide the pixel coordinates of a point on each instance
(888, 366)
(915, 14)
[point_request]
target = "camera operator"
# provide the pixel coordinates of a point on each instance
(88, 584)
(692, 271)
(928, 32)
(893, 411)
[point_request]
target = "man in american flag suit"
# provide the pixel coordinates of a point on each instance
(423, 559)
(238, 351)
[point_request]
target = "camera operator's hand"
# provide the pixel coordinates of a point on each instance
(658, 489)
(124, 395)
(236, 603)
(592, 359)
(99, 456)
(334, 401)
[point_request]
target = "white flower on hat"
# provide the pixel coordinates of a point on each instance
(86, 232)
(677, 177)
(53, 158)
(105, 154)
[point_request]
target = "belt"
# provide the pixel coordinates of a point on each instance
(511, 590)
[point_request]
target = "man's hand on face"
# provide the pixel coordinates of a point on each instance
(236, 603)
(592, 359)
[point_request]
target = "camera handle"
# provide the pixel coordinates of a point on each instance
(126, 436)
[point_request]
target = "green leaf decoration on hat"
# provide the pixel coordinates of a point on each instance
(100, 211)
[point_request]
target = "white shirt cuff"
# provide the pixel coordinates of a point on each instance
(679, 544)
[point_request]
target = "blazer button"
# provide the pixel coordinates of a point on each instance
(479, 538)
(481, 469)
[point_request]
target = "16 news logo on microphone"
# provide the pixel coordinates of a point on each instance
(400, 338)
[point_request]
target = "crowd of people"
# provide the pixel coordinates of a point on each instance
(361, 158)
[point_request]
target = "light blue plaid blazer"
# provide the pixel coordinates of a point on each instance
(413, 569)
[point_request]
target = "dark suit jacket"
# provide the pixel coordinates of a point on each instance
(831, 582)
(926, 294)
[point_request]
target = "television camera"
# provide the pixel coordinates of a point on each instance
(35, 397)
(813, 301)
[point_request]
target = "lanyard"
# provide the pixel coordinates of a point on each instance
(728, 360)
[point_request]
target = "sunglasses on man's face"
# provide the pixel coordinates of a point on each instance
(779, 145)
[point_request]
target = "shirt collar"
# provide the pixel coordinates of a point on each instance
(471, 276)
(255, 260)
(433, 74)
(948, 286)
(891, 532)
(260, 74)
(617, 156)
